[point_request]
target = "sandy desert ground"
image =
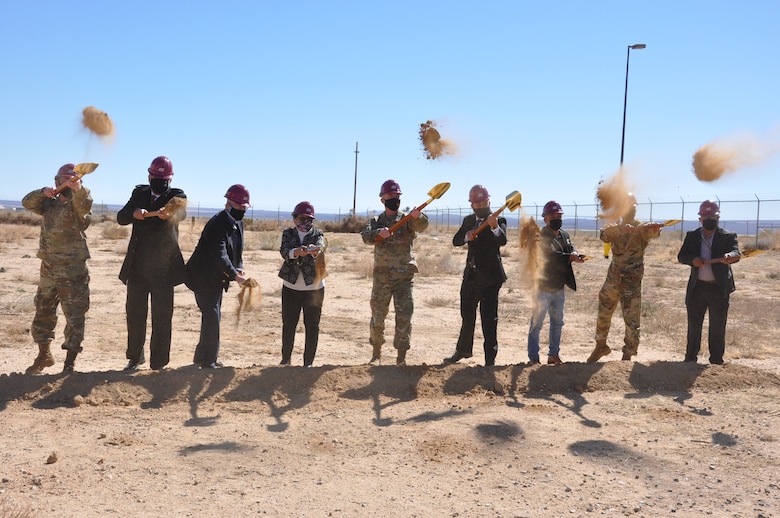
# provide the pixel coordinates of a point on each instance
(653, 437)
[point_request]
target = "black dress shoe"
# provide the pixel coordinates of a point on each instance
(456, 357)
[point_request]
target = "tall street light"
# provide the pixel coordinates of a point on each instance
(638, 46)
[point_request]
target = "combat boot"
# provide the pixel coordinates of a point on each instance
(377, 354)
(401, 358)
(44, 359)
(601, 350)
(70, 360)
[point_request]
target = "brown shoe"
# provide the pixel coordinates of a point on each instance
(601, 350)
(43, 360)
(554, 360)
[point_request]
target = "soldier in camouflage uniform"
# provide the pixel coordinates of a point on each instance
(629, 239)
(64, 275)
(394, 269)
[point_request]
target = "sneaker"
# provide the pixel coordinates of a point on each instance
(132, 365)
(534, 361)
(456, 357)
(554, 360)
(598, 352)
(214, 365)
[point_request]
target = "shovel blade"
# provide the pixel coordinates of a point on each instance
(672, 222)
(438, 190)
(85, 168)
(513, 200)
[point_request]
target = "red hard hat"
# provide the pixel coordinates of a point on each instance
(161, 168)
(552, 207)
(390, 186)
(478, 194)
(238, 194)
(709, 208)
(304, 208)
(66, 171)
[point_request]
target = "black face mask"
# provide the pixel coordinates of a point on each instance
(393, 203)
(159, 185)
(237, 214)
(556, 224)
(482, 213)
(709, 224)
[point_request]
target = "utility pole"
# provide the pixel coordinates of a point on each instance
(354, 190)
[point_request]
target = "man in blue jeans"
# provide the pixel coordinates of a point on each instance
(556, 255)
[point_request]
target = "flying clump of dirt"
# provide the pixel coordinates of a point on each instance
(433, 145)
(97, 121)
(612, 196)
(715, 159)
(531, 259)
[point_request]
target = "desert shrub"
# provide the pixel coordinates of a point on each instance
(265, 240)
(262, 225)
(10, 233)
(112, 230)
(440, 302)
(348, 225)
(19, 217)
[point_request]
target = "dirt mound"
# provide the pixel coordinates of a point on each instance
(366, 382)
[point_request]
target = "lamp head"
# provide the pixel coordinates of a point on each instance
(638, 46)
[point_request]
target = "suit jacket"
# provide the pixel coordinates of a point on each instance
(153, 252)
(556, 250)
(723, 242)
(483, 261)
(218, 256)
(306, 264)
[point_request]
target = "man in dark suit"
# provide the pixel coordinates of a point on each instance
(153, 265)
(216, 261)
(709, 250)
(482, 277)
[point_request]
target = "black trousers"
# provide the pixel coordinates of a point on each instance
(293, 302)
(474, 293)
(209, 302)
(702, 298)
(139, 291)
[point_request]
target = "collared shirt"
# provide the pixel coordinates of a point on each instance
(705, 271)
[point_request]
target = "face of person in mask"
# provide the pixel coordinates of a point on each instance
(236, 211)
(159, 185)
(481, 209)
(392, 201)
(304, 223)
(711, 223)
(554, 221)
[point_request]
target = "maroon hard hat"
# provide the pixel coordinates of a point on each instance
(238, 194)
(304, 208)
(161, 168)
(390, 186)
(709, 208)
(478, 194)
(66, 171)
(552, 207)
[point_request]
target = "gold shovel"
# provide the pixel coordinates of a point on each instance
(435, 193)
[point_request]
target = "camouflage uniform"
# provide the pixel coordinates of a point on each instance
(394, 269)
(624, 281)
(64, 274)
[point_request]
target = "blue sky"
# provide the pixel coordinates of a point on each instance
(275, 95)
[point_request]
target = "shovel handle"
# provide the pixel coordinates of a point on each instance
(485, 223)
(401, 222)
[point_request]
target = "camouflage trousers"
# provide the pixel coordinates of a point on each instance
(399, 288)
(628, 292)
(68, 286)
